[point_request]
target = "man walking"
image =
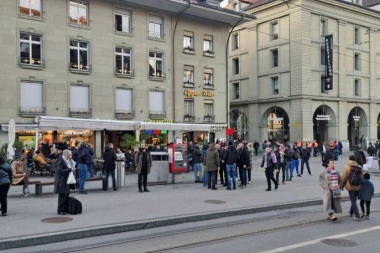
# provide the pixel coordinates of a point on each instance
(212, 162)
(269, 163)
(243, 163)
(143, 163)
(230, 159)
(305, 156)
(196, 155)
(109, 157)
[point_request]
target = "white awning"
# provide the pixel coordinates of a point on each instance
(20, 127)
(174, 126)
(62, 123)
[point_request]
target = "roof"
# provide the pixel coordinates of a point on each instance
(200, 9)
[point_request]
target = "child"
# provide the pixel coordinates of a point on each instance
(365, 195)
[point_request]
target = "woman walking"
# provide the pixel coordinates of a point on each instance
(330, 180)
(5, 183)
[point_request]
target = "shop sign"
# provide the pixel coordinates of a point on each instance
(217, 127)
(207, 93)
(356, 118)
(190, 93)
(323, 117)
(159, 120)
(77, 132)
(296, 124)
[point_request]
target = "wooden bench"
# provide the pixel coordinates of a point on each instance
(39, 184)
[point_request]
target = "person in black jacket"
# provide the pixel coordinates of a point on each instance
(82, 166)
(328, 155)
(196, 155)
(281, 161)
(109, 157)
(222, 168)
(64, 166)
(269, 163)
(230, 159)
(360, 156)
(305, 156)
(5, 182)
(243, 164)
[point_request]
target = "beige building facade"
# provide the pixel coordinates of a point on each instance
(277, 84)
(122, 61)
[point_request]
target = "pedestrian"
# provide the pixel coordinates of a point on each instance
(269, 163)
(110, 157)
(281, 160)
(330, 180)
(352, 189)
(5, 182)
(315, 148)
(196, 155)
(20, 177)
(340, 144)
(90, 161)
(365, 195)
(243, 164)
(336, 151)
(65, 165)
(328, 155)
(143, 162)
(323, 151)
(295, 162)
(289, 162)
(256, 146)
(82, 166)
(360, 157)
(220, 150)
(305, 156)
(212, 162)
(230, 159)
(249, 147)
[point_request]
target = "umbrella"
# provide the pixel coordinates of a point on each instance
(11, 139)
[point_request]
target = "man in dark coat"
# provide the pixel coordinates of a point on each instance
(360, 156)
(305, 156)
(230, 159)
(64, 166)
(109, 157)
(196, 155)
(211, 161)
(269, 163)
(243, 164)
(143, 162)
(256, 146)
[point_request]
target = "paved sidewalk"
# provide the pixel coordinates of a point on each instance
(127, 209)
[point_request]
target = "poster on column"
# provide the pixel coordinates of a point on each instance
(329, 62)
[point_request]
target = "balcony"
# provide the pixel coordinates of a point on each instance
(209, 118)
(123, 114)
(31, 111)
(188, 117)
(80, 112)
(157, 114)
(189, 50)
(125, 73)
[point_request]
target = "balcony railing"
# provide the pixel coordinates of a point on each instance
(157, 114)
(80, 112)
(158, 76)
(209, 118)
(123, 114)
(189, 49)
(188, 117)
(124, 73)
(208, 53)
(31, 111)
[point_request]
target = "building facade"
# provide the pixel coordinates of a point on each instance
(278, 72)
(122, 61)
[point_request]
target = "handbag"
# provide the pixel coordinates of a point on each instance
(71, 178)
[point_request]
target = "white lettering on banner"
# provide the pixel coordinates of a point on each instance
(323, 117)
(217, 127)
(356, 118)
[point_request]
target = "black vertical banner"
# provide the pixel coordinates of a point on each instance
(329, 62)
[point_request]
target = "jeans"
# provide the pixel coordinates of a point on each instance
(288, 170)
(89, 168)
(205, 176)
(112, 172)
(197, 169)
(243, 176)
(231, 175)
(295, 165)
(354, 206)
(336, 155)
(82, 170)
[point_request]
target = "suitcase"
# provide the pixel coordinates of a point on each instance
(74, 206)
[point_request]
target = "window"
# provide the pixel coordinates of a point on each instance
(123, 21)
(188, 75)
(323, 56)
(189, 109)
(79, 12)
(323, 28)
(208, 48)
(156, 27)
(30, 49)
(274, 30)
(235, 91)
(208, 76)
(123, 60)
(156, 64)
(209, 110)
(31, 98)
(357, 36)
(30, 8)
(275, 85)
(123, 102)
(79, 100)
(79, 55)
(235, 66)
(188, 41)
(357, 61)
(357, 87)
(156, 103)
(235, 41)
(323, 84)
(274, 58)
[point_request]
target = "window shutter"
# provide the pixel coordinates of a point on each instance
(124, 100)
(31, 95)
(79, 97)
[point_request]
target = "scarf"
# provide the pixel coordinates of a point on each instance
(69, 162)
(333, 182)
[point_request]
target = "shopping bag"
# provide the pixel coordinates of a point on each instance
(71, 179)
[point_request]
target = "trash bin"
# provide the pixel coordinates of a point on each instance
(120, 173)
(159, 173)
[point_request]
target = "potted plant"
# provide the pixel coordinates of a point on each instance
(18, 146)
(127, 141)
(3, 151)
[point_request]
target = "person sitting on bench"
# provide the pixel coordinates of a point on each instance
(20, 177)
(41, 164)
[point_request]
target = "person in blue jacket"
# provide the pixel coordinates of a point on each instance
(365, 195)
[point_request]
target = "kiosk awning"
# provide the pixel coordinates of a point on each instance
(20, 127)
(62, 123)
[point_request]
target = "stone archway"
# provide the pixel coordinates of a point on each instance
(357, 126)
(323, 118)
(278, 124)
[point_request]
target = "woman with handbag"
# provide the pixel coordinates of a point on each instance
(63, 178)
(330, 180)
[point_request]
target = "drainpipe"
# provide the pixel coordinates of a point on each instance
(227, 81)
(173, 62)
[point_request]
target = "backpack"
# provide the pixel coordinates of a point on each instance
(74, 206)
(355, 175)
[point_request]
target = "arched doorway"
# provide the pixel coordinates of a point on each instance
(239, 122)
(357, 125)
(278, 124)
(322, 118)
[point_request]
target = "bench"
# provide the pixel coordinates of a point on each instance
(39, 184)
